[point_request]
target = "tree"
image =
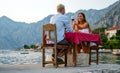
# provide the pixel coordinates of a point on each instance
(114, 43)
(33, 46)
(26, 47)
(104, 41)
(98, 30)
(118, 35)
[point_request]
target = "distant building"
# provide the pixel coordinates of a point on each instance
(111, 31)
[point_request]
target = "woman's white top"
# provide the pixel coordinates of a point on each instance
(86, 30)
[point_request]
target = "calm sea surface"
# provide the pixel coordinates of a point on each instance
(20, 57)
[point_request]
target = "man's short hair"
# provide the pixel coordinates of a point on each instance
(60, 7)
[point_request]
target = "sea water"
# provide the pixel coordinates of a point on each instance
(16, 57)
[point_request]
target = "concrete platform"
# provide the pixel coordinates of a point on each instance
(36, 68)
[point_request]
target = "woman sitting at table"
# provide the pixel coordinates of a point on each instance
(81, 25)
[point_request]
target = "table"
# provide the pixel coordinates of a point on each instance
(77, 37)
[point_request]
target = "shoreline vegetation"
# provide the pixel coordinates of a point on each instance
(111, 42)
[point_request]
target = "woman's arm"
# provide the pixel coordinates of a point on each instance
(75, 28)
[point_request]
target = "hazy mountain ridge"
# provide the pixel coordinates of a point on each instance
(14, 35)
(112, 18)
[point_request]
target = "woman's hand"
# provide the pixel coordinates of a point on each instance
(75, 26)
(74, 23)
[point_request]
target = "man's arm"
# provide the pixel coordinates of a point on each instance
(51, 20)
(67, 24)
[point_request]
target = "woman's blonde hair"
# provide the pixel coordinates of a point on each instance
(60, 7)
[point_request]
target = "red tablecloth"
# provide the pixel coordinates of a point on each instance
(76, 37)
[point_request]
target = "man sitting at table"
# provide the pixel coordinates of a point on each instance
(62, 22)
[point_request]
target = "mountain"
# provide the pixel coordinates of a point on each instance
(14, 35)
(111, 18)
(93, 15)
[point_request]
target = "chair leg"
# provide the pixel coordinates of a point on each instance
(97, 57)
(43, 57)
(54, 54)
(56, 58)
(90, 57)
(65, 59)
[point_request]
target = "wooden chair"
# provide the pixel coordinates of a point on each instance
(96, 49)
(52, 28)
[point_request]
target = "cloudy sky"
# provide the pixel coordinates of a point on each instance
(35, 10)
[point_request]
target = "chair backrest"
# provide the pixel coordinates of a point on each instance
(47, 30)
(95, 44)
